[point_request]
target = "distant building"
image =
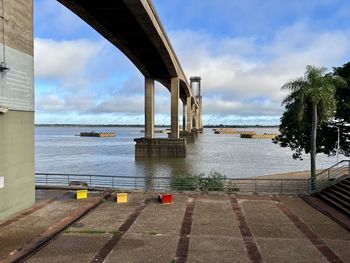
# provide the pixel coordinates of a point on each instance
(17, 188)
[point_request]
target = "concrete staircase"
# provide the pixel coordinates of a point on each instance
(337, 195)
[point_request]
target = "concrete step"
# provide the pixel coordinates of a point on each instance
(337, 199)
(344, 186)
(334, 204)
(346, 181)
(340, 194)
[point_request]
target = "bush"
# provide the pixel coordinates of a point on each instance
(214, 182)
(184, 182)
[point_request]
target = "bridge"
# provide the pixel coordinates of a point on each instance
(135, 28)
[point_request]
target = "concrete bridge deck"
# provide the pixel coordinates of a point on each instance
(196, 228)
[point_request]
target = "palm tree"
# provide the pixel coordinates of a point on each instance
(314, 92)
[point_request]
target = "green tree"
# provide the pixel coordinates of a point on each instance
(309, 105)
(342, 116)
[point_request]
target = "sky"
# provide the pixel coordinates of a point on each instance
(244, 52)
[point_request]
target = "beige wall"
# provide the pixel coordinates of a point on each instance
(17, 125)
(19, 25)
(17, 162)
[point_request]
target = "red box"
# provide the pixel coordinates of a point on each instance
(166, 199)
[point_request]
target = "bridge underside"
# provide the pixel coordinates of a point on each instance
(128, 26)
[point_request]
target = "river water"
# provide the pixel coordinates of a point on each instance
(59, 150)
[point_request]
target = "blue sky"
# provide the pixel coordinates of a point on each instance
(243, 50)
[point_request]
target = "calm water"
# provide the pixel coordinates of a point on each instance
(59, 150)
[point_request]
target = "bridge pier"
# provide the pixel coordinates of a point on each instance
(150, 147)
(174, 111)
(189, 114)
(195, 83)
(149, 108)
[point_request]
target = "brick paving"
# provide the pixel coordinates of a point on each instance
(194, 228)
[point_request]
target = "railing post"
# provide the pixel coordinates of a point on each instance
(46, 178)
(281, 190)
(256, 186)
(135, 183)
(328, 174)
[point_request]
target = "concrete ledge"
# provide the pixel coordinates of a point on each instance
(189, 136)
(160, 148)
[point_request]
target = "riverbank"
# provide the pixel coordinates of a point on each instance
(290, 175)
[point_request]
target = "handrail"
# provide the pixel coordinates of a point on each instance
(335, 165)
(330, 176)
(241, 185)
(164, 177)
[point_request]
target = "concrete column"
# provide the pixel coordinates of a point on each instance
(193, 116)
(197, 118)
(189, 114)
(149, 108)
(175, 93)
(200, 113)
(183, 116)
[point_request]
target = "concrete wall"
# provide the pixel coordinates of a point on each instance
(17, 189)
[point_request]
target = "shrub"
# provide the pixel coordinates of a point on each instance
(213, 182)
(184, 182)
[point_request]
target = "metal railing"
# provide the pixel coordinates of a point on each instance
(330, 176)
(159, 184)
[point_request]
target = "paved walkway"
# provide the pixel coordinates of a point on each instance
(194, 228)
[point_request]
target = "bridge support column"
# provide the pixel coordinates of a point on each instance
(175, 95)
(149, 108)
(189, 116)
(200, 114)
(184, 117)
(150, 147)
(197, 119)
(187, 132)
(193, 114)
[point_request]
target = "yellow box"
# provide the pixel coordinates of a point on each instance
(122, 198)
(81, 194)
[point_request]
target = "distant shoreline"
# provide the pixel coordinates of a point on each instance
(157, 126)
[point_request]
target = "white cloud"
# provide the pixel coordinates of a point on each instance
(241, 76)
(63, 59)
(49, 103)
(236, 70)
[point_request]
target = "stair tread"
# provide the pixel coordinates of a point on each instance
(341, 184)
(337, 205)
(337, 199)
(339, 193)
(341, 190)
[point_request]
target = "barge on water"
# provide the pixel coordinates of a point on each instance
(259, 136)
(97, 134)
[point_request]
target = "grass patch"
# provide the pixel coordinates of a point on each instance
(89, 232)
(116, 232)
